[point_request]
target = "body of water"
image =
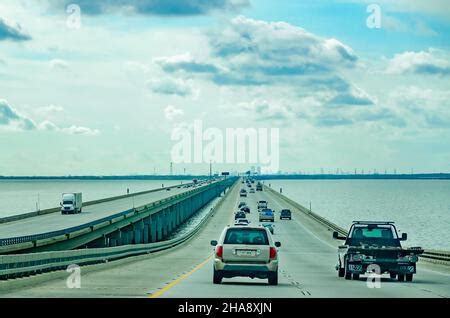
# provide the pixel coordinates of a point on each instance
(22, 196)
(420, 208)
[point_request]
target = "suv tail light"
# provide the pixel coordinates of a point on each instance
(219, 251)
(273, 253)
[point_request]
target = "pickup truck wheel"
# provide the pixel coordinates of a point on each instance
(355, 276)
(401, 277)
(393, 275)
(341, 272)
(273, 278)
(409, 277)
(347, 275)
(217, 277)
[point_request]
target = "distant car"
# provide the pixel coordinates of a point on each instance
(247, 252)
(241, 204)
(285, 214)
(243, 193)
(266, 215)
(245, 209)
(262, 205)
(168, 189)
(269, 226)
(239, 215)
(252, 190)
(242, 222)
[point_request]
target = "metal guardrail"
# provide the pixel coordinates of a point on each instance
(434, 256)
(67, 231)
(13, 266)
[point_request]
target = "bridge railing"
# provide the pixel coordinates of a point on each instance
(99, 222)
(434, 256)
(14, 266)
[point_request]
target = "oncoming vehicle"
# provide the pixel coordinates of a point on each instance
(266, 215)
(259, 187)
(71, 203)
(246, 252)
(285, 214)
(375, 247)
(252, 190)
(243, 193)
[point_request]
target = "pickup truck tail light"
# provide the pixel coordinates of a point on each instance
(273, 253)
(219, 251)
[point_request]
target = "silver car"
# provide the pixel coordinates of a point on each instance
(246, 252)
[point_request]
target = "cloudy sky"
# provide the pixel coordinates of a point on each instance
(102, 94)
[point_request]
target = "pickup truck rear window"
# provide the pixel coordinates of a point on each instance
(246, 236)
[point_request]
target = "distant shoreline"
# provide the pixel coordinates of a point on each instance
(149, 177)
(418, 176)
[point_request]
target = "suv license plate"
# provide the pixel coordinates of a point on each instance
(245, 253)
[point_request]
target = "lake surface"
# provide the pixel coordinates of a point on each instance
(17, 196)
(420, 208)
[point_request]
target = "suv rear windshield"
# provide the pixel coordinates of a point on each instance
(246, 236)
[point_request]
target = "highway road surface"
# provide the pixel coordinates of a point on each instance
(307, 260)
(57, 221)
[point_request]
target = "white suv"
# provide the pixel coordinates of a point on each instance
(246, 252)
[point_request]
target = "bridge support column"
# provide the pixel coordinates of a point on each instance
(153, 228)
(170, 214)
(115, 238)
(159, 227)
(100, 242)
(146, 238)
(138, 231)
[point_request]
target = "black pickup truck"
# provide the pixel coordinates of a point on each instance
(375, 247)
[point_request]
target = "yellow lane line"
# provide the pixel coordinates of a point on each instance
(175, 282)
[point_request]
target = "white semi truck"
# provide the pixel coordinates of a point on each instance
(71, 203)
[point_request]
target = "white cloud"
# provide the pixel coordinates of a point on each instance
(58, 64)
(79, 130)
(423, 62)
(12, 31)
(48, 125)
(50, 109)
(170, 86)
(171, 112)
(10, 118)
